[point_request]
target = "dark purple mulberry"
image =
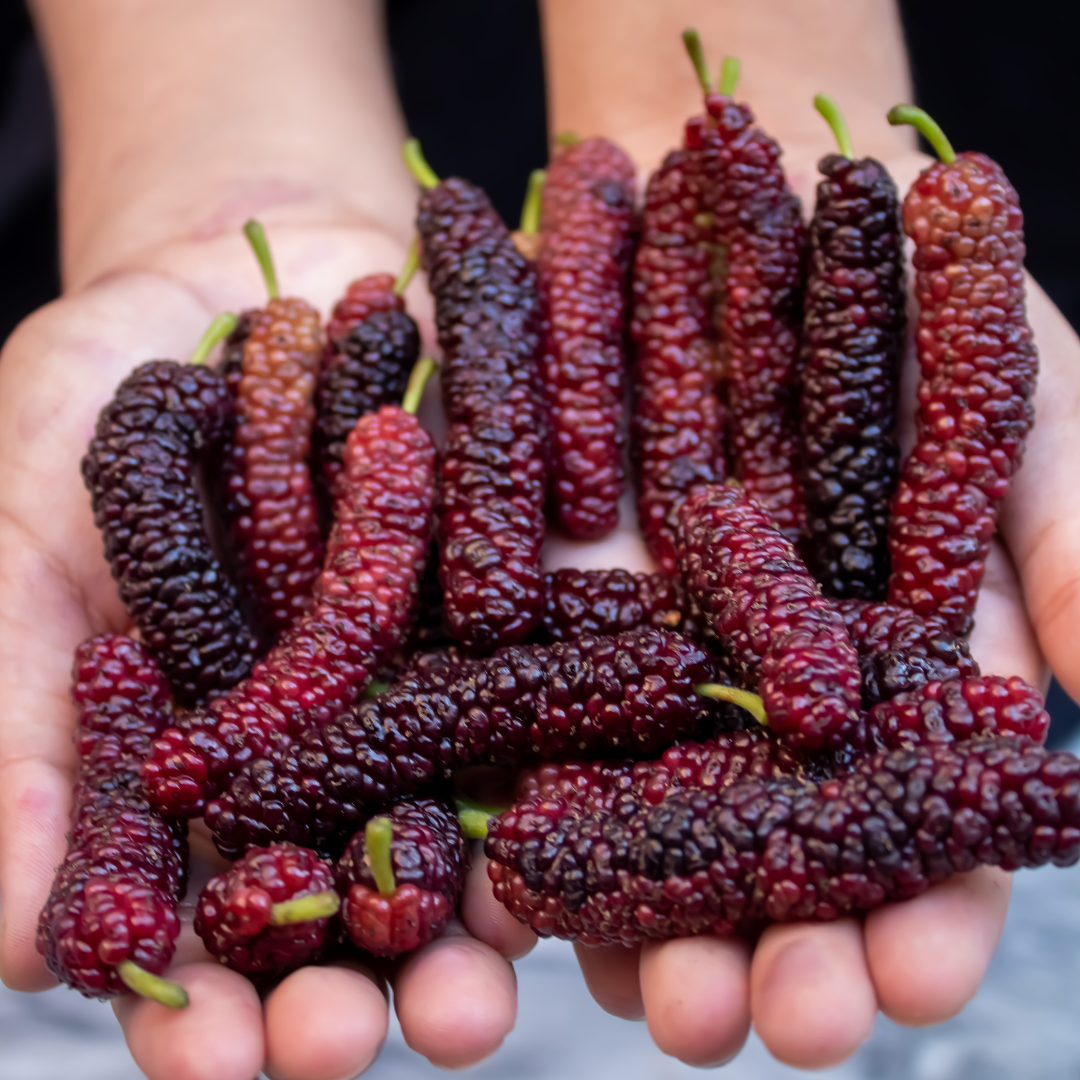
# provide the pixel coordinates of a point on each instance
(140, 470)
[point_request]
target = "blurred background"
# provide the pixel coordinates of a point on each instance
(1000, 78)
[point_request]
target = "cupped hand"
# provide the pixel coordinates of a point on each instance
(456, 999)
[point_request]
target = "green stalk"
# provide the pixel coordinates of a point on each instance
(752, 703)
(835, 119)
(925, 126)
(378, 833)
(257, 239)
(530, 210)
(418, 378)
(408, 271)
(222, 326)
(165, 992)
(567, 138)
(692, 40)
(729, 75)
(376, 688)
(320, 905)
(417, 165)
(474, 816)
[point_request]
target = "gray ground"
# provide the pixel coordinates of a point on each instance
(1021, 1026)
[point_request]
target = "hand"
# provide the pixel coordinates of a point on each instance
(812, 991)
(456, 998)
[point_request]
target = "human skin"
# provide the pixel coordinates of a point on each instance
(178, 121)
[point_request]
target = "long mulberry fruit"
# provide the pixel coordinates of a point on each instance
(853, 335)
(493, 468)
(271, 501)
(110, 922)
(401, 876)
(587, 205)
(140, 470)
(781, 636)
(363, 598)
(633, 693)
(730, 859)
(978, 369)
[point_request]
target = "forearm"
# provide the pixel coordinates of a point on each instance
(617, 68)
(181, 118)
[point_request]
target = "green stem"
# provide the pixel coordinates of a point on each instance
(752, 703)
(692, 40)
(474, 816)
(530, 210)
(257, 239)
(408, 271)
(418, 378)
(417, 165)
(567, 138)
(165, 992)
(378, 833)
(222, 326)
(376, 688)
(925, 126)
(835, 119)
(729, 75)
(320, 905)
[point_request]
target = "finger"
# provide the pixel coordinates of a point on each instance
(927, 956)
(488, 920)
(219, 1036)
(33, 800)
(810, 992)
(324, 1023)
(456, 1000)
(696, 997)
(1040, 518)
(612, 975)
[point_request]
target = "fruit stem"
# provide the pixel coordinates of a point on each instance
(729, 75)
(319, 905)
(417, 165)
(378, 833)
(567, 138)
(530, 210)
(165, 992)
(474, 816)
(418, 378)
(408, 271)
(835, 119)
(376, 688)
(257, 239)
(752, 703)
(926, 127)
(222, 326)
(692, 40)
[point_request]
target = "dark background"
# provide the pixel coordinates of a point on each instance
(997, 76)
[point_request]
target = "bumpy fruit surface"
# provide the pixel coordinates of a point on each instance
(763, 850)
(233, 917)
(140, 470)
(780, 635)
(271, 501)
(371, 346)
(363, 598)
(585, 245)
(852, 339)
(493, 468)
(628, 694)
(757, 221)
(978, 369)
(114, 896)
(428, 857)
(676, 428)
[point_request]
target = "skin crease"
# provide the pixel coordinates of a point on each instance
(151, 251)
